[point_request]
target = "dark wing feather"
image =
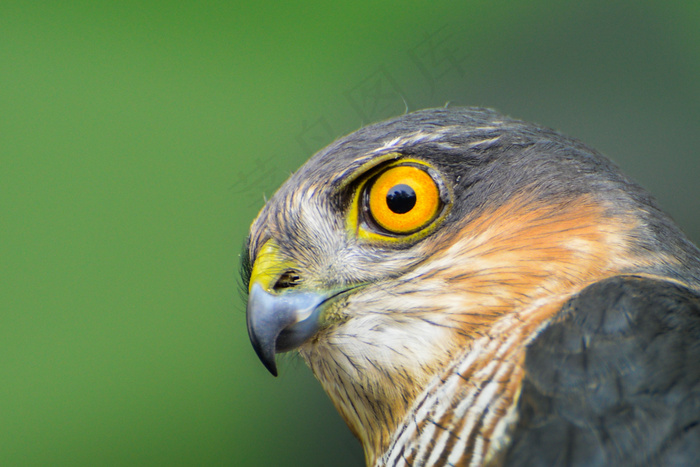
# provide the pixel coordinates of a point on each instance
(614, 380)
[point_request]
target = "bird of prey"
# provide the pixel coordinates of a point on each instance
(470, 289)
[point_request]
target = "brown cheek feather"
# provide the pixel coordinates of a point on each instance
(506, 259)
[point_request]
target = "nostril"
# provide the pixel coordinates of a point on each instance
(289, 278)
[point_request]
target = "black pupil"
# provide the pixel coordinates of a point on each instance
(401, 198)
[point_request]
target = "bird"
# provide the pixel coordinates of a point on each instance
(472, 289)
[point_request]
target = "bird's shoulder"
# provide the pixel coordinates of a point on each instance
(614, 379)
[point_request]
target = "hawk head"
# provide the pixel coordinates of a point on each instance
(444, 236)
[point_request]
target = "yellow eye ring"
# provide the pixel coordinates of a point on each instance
(403, 199)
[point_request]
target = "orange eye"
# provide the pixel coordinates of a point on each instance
(404, 199)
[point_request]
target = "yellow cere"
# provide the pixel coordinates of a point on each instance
(419, 211)
(268, 266)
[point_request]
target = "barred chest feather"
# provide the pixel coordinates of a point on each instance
(464, 415)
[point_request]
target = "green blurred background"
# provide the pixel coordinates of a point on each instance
(137, 140)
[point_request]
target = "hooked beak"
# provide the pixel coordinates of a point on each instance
(279, 319)
(280, 322)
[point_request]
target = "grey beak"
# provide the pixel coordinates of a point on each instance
(281, 322)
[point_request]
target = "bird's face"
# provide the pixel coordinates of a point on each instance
(327, 258)
(402, 245)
